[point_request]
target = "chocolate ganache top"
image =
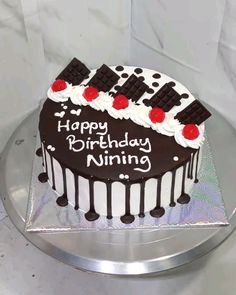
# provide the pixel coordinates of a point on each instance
(92, 143)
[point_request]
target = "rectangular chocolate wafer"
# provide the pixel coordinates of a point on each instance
(104, 79)
(133, 88)
(195, 113)
(165, 98)
(75, 72)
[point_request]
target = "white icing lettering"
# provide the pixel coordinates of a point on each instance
(75, 126)
(144, 160)
(84, 126)
(146, 143)
(111, 141)
(130, 157)
(103, 126)
(91, 158)
(72, 142)
(124, 142)
(102, 144)
(66, 126)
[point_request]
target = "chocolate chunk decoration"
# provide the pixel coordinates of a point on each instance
(166, 98)
(74, 73)
(104, 79)
(133, 88)
(195, 113)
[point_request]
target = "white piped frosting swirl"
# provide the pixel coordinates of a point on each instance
(139, 114)
(60, 96)
(194, 143)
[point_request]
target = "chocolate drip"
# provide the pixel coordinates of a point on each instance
(62, 200)
(91, 215)
(184, 198)
(172, 192)
(109, 205)
(158, 211)
(45, 159)
(53, 174)
(127, 218)
(196, 167)
(142, 193)
(43, 177)
(191, 170)
(189, 166)
(192, 162)
(39, 152)
(76, 180)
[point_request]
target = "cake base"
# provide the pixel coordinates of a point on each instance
(147, 245)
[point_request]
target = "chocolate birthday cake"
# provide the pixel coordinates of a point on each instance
(120, 141)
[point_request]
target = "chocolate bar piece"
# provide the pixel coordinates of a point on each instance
(104, 79)
(133, 88)
(74, 73)
(195, 113)
(166, 98)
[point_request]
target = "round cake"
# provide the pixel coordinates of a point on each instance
(120, 141)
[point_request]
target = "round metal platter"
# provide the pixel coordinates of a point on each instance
(119, 252)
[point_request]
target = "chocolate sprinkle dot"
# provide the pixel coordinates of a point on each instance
(111, 93)
(156, 76)
(184, 95)
(124, 75)
(155, 84)
(119, 68)
(150, 90)
(138, 71)
(141, 78)
(171, 84)
(117, 87)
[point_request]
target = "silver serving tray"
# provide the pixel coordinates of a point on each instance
(119, 252)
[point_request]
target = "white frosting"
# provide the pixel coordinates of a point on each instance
(196, 143)
(102, 102)
(122, 113)
(60, 96)
(167, 127)
(77, 96)
(139, 114)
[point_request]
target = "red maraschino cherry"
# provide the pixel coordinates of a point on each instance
(157, 115)
(58, 85)
(90, 93)
(120, 102)
(190, 131)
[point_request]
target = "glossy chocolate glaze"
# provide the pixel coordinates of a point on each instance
(164, 148)
(161, 157)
